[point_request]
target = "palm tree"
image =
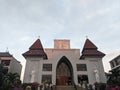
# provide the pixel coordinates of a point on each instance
(11, 80)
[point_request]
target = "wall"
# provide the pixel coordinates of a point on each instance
(54, 55)
(15, 66)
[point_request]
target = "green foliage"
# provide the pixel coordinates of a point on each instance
(1, 74)
(26, 84)
(114, 78)
(102, 86)
(11, 80)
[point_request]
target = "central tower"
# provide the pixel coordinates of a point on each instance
(62, 44)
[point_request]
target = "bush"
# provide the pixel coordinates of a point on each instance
(26, 84)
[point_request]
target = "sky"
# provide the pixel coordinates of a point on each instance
(22, 21)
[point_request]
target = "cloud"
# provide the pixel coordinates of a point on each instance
(86, 3)
(99, 12)
(115, 26)
(26, 38)
(50, 19)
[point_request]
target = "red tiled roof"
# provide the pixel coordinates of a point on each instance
(36, 45)
(90, 49)
(5, 54)
(36, 50)
(92, 53)
(89, 45)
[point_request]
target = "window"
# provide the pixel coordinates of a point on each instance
(81, 67)
(116, 62)
(112, 64)
(46, 78)
(47, 67)
(82, 78)
(5, 62)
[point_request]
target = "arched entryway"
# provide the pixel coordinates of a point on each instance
(64, 72)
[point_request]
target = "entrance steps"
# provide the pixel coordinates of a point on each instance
(70, 87)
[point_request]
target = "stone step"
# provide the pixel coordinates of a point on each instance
(65, 88)
(68, 88)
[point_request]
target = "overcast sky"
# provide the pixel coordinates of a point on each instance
(22, 21)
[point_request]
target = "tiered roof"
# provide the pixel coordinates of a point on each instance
(36, 50)
(5, 54)
(90, 49)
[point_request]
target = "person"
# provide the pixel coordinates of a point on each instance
(28, 88)
(90, 87)
(113, 88)
(51, 86)
(117, 87)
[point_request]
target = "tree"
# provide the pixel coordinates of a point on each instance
(1, 74)
(114, 77)
(11, 80)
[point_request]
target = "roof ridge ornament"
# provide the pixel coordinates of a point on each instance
(7, 50)
(38, 37)
(86, 37)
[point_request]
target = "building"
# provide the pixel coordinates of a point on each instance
(63, 65)
(10, 64)
(115, 63)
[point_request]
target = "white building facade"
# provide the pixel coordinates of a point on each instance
(10, 64)
(115, 63)
(62, 65)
